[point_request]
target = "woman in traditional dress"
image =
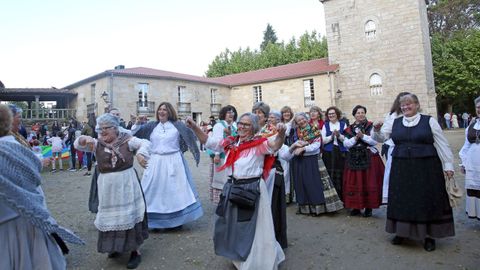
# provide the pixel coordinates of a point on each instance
(363, 175)
(287, 119)
(30, 238)
(244, 230)
(395, 112)
(316, 119)
(455, 121)
(469, 154)
(334, 152)
(313, 188)
(226, 126)
(167, 183)
(121, 218)
(418, 204)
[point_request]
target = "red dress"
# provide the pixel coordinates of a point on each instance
(363, 173)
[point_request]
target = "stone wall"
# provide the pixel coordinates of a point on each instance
(400, 52)
(124, 94)
(285, 92)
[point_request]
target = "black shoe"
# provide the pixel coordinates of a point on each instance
(134, 260)
(397, 240)
(113, 255)
(355, 212)
(174, 229)
(429, 244)
(368, 212)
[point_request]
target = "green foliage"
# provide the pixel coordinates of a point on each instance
(446, 17)
(309, 46)
(269, 37)
(456, 67)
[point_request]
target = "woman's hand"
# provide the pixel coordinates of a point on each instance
(190, 123)
(281, 128)
(142, 160)
(377, 126)
(449, 174)
(336, 133)
(359, 135)
(299, 151)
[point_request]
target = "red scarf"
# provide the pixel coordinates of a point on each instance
(234, 152)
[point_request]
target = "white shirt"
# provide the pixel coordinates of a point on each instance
(250, 162)
(165, 138)
(440, 142)
(333, 126)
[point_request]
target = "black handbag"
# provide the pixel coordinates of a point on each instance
(243, 197)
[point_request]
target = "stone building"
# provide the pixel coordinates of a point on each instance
(382, 48)
(140, 90)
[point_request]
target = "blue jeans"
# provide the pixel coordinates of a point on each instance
(448, 123)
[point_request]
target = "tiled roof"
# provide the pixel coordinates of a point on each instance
(156, 73)
(290, 71)
(296, 70)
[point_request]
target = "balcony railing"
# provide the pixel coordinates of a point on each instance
(184, 108)
(146, 107)
(46, 113)
(215, 108)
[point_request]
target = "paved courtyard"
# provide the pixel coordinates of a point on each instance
(334, 241)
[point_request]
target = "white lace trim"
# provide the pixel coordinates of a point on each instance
(119, 227)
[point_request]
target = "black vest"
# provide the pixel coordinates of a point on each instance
(413, 142)
(472, 134)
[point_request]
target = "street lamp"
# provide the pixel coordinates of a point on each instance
(338, 94)
(106, 98)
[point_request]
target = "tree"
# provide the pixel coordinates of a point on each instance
(446, 17)
(309, 46)
(269, 36)
(456, 68)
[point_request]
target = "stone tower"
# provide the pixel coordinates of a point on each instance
(382, 48)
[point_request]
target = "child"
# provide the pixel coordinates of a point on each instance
(57, 146)
(37, 149)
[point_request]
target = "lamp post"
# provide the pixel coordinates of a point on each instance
(338, 94)
(106, 99)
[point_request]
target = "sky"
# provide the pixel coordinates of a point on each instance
(56, 43)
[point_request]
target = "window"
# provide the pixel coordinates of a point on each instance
(213, 96)
(370, 30)
(308, 93)
(92, 93)
(376, 85)
(257, 93)
(181, 93)
(142, 89)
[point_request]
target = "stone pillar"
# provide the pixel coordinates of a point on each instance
(37, 106)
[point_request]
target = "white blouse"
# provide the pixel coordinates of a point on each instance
(250, 162)
(469, 154)
(333, 126)
(440, 141)
(165, 139)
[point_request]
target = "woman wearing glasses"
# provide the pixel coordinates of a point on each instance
(334, 151)
(226, 126)
(244, 230)
(121, 218)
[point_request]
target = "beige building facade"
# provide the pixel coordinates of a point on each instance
(382, 48)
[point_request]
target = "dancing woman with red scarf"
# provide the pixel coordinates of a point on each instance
(313, 187)
(244, 229)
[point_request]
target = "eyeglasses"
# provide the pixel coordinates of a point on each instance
(105, 128)
(242, 124)
(332, 114)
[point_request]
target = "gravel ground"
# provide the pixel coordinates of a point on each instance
(334, 241)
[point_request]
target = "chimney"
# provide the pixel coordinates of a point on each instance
(120, 67)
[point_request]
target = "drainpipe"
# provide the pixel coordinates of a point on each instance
(110, 95)
(332, 100)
